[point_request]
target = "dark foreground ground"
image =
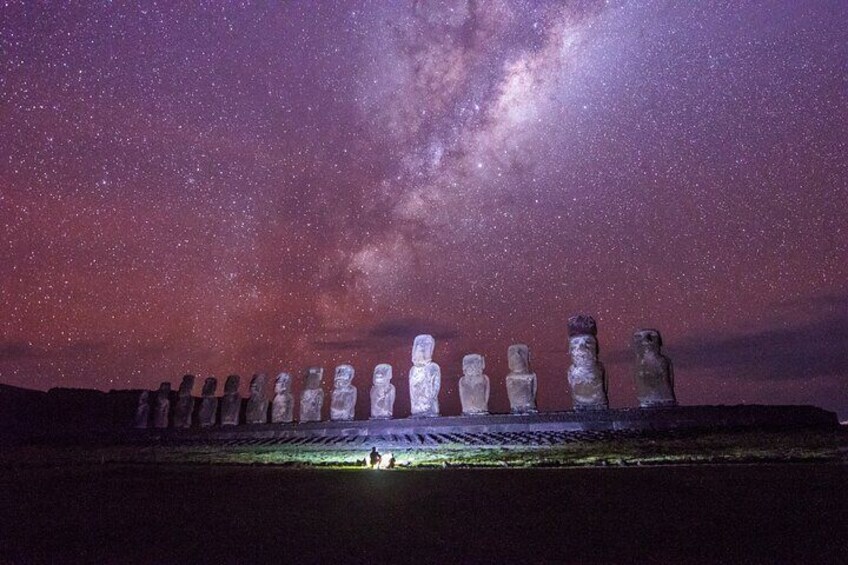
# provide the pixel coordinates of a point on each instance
(766, 513)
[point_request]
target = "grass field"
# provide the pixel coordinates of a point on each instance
(725, 447)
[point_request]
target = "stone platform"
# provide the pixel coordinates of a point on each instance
(548, 428)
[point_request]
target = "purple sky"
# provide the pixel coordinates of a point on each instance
(235, 189)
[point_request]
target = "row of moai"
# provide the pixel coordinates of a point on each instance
(587, 381)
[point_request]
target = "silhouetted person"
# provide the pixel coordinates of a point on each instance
(391, 463)
(374, 457)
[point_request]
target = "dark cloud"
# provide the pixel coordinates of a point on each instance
(18, 351)
(799, 352)
(408, 328)
(390, 332)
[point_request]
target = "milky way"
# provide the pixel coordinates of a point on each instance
(241, 189)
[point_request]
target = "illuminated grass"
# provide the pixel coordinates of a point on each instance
(741, 447)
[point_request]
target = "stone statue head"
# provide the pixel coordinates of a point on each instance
(422, 349)
(582, 324)
(583, 348)
(231, 385)
(647, 340)
(143, 398)
(282, 384)
(382, 374)
(257, 384)
(518, 356)
(314, 376)
(473, 365)
(186, 385)
(209, 386)
(343, 376)
(164, 390)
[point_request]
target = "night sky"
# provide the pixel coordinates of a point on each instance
(240, 189)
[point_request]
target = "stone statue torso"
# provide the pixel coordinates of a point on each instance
(474, 394)
(382, 401)
(654, 385)
(343, 403)
(424, 384)
(521, 389)
(311, 403)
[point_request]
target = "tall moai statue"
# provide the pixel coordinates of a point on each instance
(257, 404)
(343, 399)
(654, 371)
(474, 386)
(231, 402)
(425, 378)
(282, 408)
(163, 406)
(208, 403)
(521, 381)
(185, 403)
(382, 393)
(586, 376)
(142, 411)
(312, 397)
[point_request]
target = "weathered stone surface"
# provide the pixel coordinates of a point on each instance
(582, 324)
(142, 411)
(586, 376)
(312, 397)
(208, 403)
(257, 404)
(382, 393)
(185, 403)
(231, 402)
(474, 386)
(343, 399)
(654, 372)
(521, 381)
(162, 407)
(425, 378)
(282, 409)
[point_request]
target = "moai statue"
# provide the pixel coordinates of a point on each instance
(474, 386)
(425, 378)
(654, 372)
(231, 402)
(520, 382)
(312, 397)
(282, 409)
(382, 393)
(208, 403)
(185, 403)
(586, 376)
(142, 410)
(343, 399)
(162, 406)
(257, 404)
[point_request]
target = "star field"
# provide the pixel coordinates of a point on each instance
(232, 188)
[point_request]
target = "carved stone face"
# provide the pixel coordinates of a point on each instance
(257, 383)
(584, 348)
(209, 386)
(343, 377)
(382, 374)
(519, 358)
(473, 365)
(647, 340)
(164, 388)
(186, 385)
(282, 384)
(314, 377)
(231, 385)
(143, 398)
(422, 349)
